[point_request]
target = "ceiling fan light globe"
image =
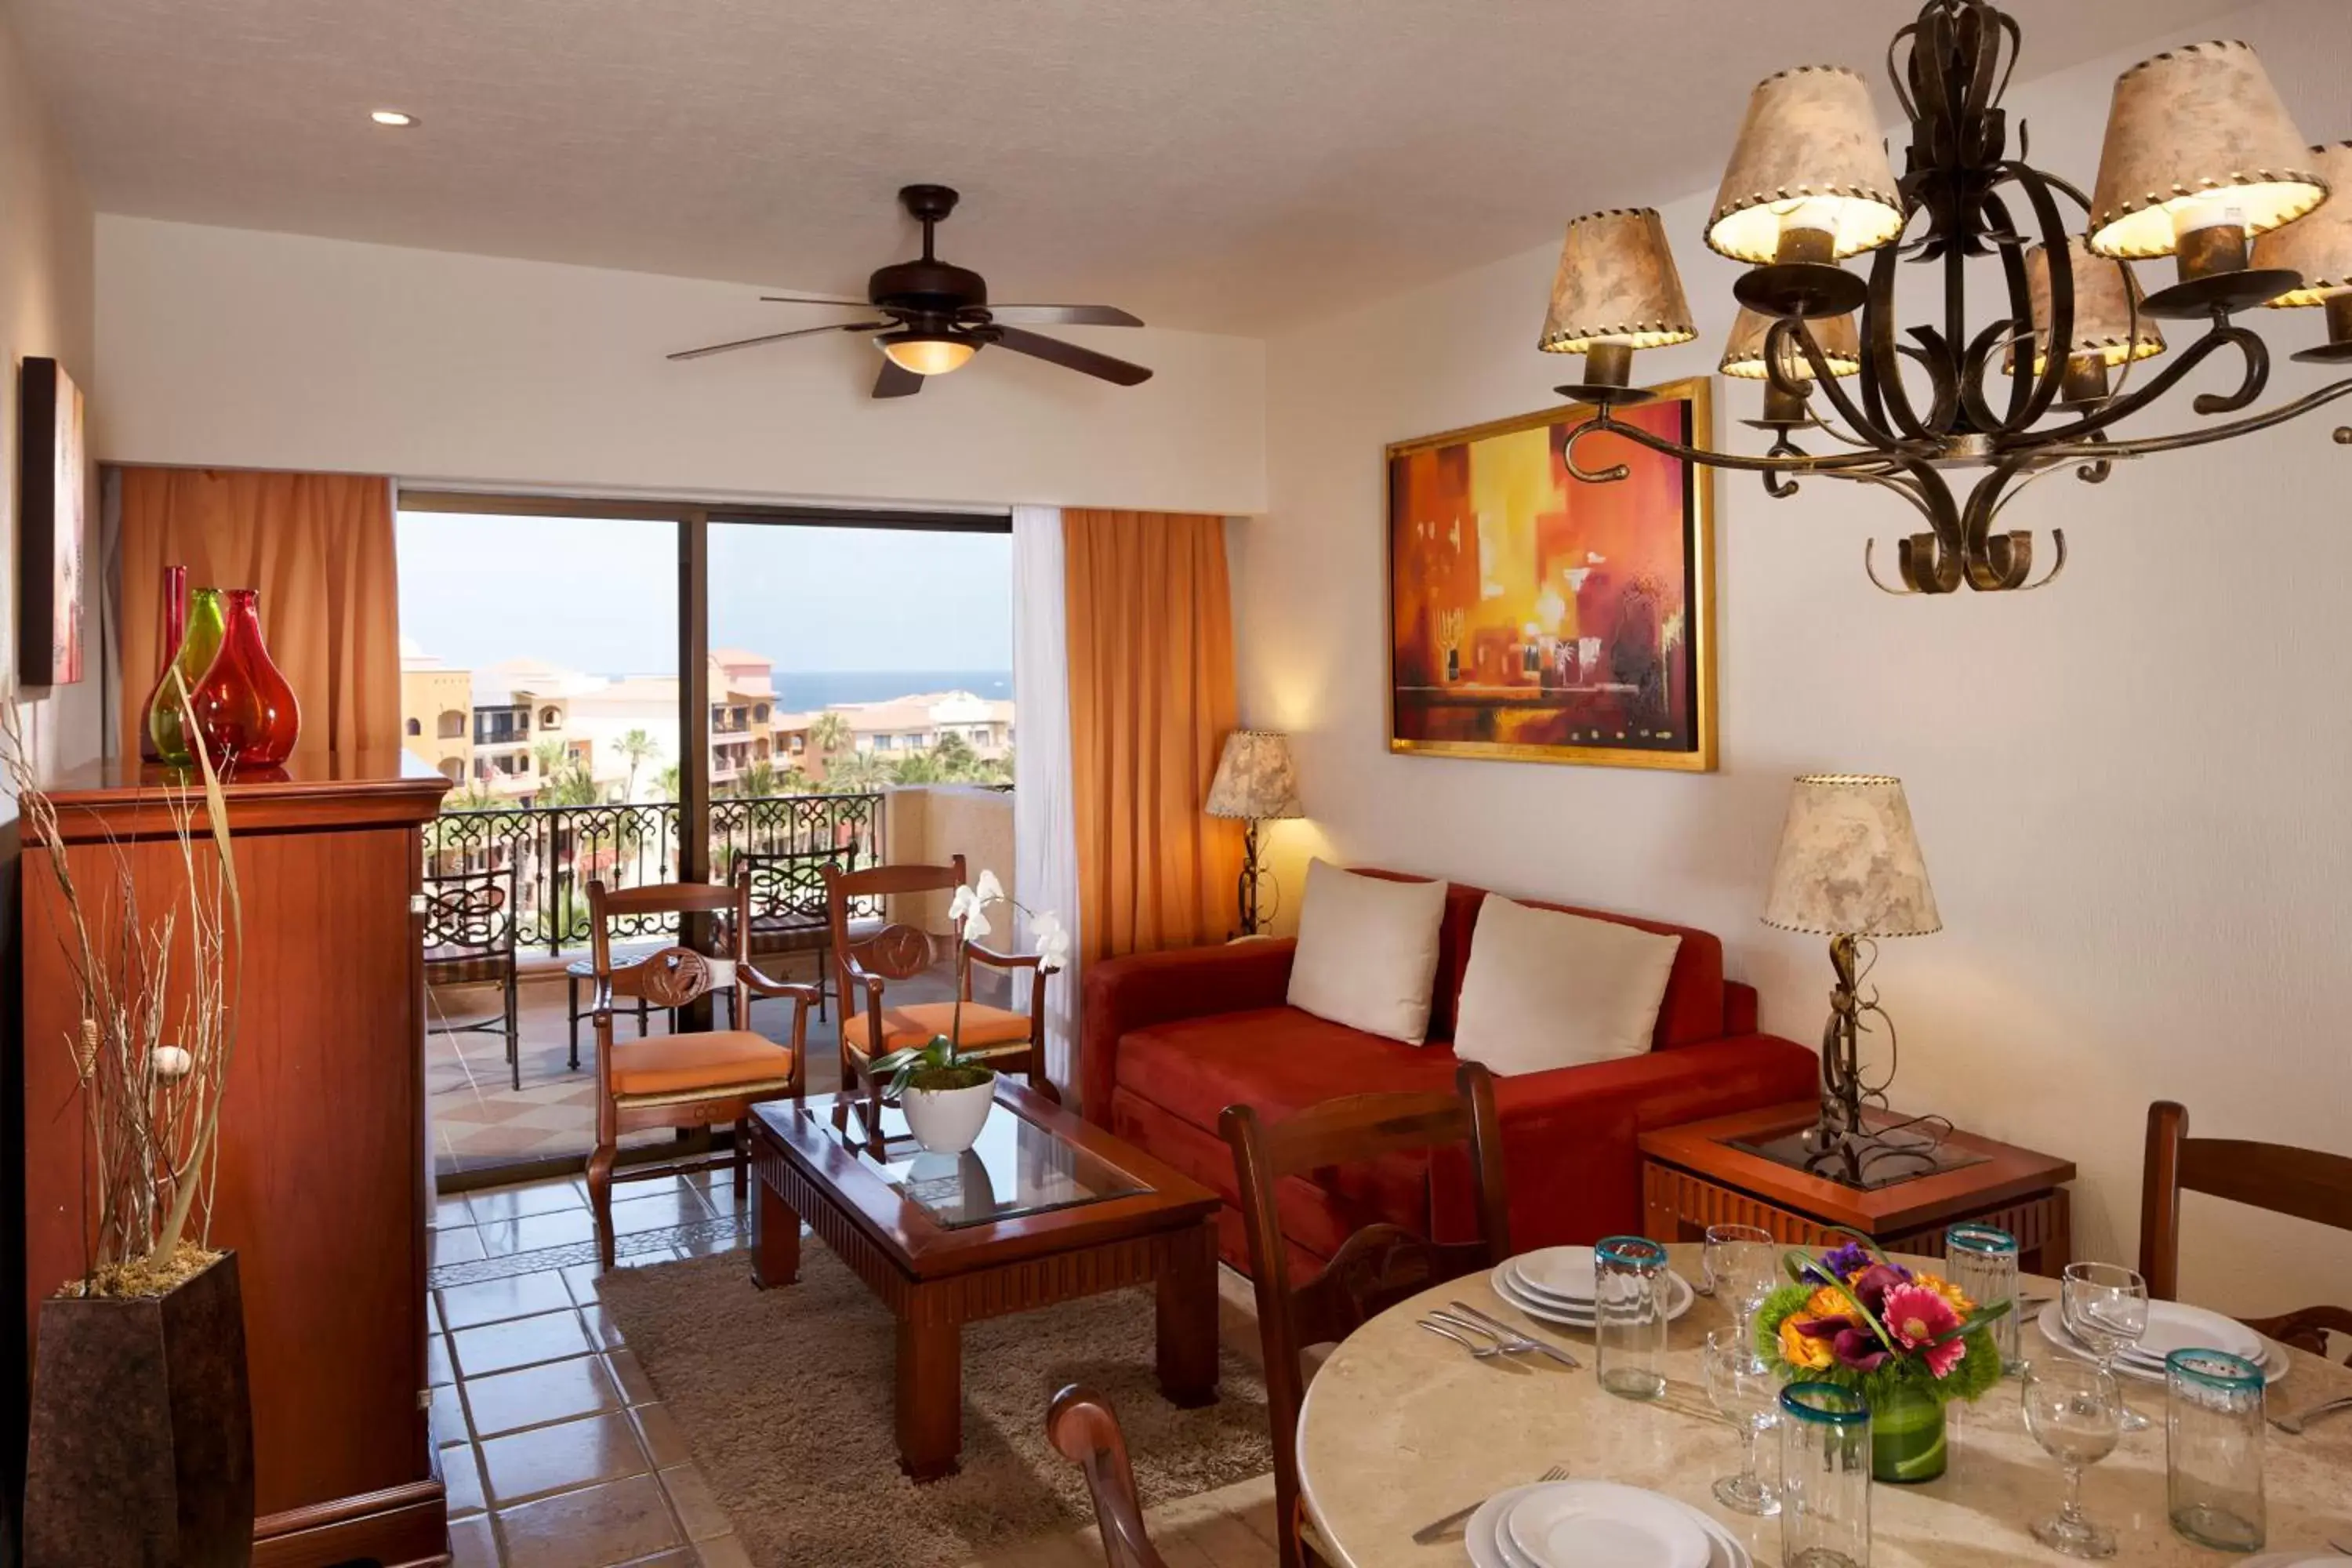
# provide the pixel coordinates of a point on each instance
(927, 353)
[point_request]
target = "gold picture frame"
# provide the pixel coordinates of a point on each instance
(1496, 663)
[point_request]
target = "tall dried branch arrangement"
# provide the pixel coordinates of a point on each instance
(157, 969)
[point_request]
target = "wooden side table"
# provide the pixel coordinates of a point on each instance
(1692, 1177)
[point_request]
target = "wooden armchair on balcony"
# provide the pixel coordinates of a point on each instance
(707, 1077)
(469, 937)
(872, 1026)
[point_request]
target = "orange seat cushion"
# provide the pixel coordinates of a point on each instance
(916, 1024)
(717, 1060)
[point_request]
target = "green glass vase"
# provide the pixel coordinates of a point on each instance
(166, 719)
(1907, 1438)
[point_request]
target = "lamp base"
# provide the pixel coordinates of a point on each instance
(1867, 1159)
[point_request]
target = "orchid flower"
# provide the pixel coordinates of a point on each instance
(1053, 941)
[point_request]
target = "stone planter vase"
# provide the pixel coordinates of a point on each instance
(948, 1121)
(141, 1441)
(1906, 1438)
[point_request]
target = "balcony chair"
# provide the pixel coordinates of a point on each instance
(1085, 1431)
(1374, 1268)
(708, 1078)
(2308, 1183)
(865, 966)
(790, 908)
(469, 937)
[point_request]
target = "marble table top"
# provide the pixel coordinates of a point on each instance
(1402, 1428)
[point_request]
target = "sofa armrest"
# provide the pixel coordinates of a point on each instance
(1740, 1008)
(1570, 1158)
(1123, 995)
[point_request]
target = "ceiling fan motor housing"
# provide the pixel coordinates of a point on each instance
(922, 288)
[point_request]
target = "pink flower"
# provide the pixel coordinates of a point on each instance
(1916, 1316)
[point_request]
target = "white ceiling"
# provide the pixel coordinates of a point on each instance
(1220, 164)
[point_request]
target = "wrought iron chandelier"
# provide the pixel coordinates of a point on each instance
(2200, 163)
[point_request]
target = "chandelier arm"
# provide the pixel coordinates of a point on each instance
(2037, 472)
(1805, 463)
(1995, 563)
(2029, 403)
(1825, 379)
(1776, 365)
(1934, 562)
(1882, 389)
(2117, 408)
(2098, 447)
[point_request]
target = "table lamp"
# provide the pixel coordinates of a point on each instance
(1254, 784)
(1849, 868)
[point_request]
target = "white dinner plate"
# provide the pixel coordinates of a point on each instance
(1489, 1547)
(1679, 1297)
(2272, 1358)
(1602, 1524)
(1565, 1272)
(2173, 1326)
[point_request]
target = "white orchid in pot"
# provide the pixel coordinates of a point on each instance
(946, 1091)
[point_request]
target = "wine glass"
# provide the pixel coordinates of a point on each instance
(1740, 1261)
(2104, 1306)
(2074, 1410)
(1745, 1392)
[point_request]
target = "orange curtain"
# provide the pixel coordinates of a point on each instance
(320, 548)
(1149, 620)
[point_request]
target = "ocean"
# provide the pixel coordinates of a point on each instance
(802, 691)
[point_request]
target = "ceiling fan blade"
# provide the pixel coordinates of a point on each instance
(1071, 357)
(896, 381)
(1066, 315)
(777, 338)
(804, 300)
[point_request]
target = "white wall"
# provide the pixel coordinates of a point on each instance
(236, 348)
(45, 311)
(2130, 786)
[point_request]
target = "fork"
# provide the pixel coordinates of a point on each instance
(2294, 1421)
(1437, 1529)
(1445, 1328)
(1510, 1337)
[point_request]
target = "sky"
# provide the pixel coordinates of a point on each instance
(600, 594)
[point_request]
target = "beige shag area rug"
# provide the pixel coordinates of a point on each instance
(785, 1398)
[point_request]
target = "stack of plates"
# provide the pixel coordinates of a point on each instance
(1596, 1524)
(2173, 1326)
(1556, 1285)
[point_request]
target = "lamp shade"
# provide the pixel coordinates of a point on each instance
(1849, 862)
(2108, 320)
(2197, 136)
(1839, 338)
(1811, 154)
(1255, 780)
(1617, 284)
(2318, 247)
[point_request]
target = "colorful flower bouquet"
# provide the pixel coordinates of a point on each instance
(1908, 1342)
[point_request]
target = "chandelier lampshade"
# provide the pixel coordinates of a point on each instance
(1839, 338)
(1809, 178)
(2109, 323)
(2319, 248)
(1617, 291)
(2201, 157)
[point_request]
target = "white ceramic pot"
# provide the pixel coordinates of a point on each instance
(948, 1121)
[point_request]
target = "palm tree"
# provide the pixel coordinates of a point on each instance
(757, 781)
(830, 734)
(571, 786)
(956, 758)
(549, 754)
(918, 768)
(858, 773)
(636, 747)
(666, 782)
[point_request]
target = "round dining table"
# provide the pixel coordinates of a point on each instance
(1402, 1428)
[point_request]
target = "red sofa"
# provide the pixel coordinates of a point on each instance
(1172, 1038)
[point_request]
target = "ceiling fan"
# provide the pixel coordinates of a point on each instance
(934, 316)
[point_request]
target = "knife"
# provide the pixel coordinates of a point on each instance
(1560, 1356)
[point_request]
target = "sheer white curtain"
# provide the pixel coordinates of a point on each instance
(1044, 827)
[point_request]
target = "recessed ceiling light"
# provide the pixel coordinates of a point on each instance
(391, 117)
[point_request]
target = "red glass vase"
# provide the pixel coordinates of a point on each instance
(244, 706)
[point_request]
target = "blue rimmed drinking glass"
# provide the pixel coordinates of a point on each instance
(2214, 1448)
(1983, 1265)
(1824, 1477)
(1628, 1315)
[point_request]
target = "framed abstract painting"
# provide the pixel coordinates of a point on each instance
(53, 467)
(1534, 616)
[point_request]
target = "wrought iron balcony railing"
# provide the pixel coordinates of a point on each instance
(557, 850)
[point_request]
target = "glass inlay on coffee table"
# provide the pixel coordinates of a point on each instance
(1016, 1168)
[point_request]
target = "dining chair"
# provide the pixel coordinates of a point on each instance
(2307, 1183)
(469, 936)
(1372, 1269)
(706, 1077)
(1085, 1431)
(868, 962)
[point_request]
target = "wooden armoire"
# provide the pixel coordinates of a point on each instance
(325, 1180)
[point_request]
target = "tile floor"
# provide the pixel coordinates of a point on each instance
(481, 1122)
(555, 1450)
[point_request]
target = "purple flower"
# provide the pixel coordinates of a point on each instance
(1847, 1261)
(1870, 1288)
(1851, 1342)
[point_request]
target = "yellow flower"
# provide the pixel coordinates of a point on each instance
(1797, 1350)
(1828, 1301)
(1947, 1291)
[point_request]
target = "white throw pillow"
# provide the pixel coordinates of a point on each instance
(1547, 989)
(1367, 952)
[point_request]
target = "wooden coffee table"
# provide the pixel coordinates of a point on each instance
(1693, 1177)
(1046, 1208)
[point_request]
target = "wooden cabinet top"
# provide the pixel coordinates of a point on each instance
(118, 799)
